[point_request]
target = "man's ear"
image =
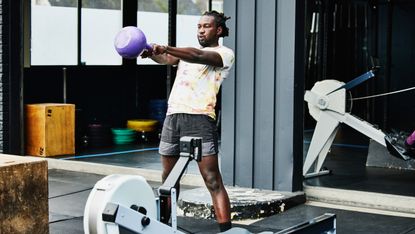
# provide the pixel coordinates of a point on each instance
(219, 31)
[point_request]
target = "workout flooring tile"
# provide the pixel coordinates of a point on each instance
(68, 192)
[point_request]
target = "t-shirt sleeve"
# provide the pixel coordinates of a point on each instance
(228, 57)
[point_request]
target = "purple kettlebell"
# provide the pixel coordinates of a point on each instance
(130, 42)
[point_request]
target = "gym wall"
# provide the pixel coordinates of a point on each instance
(2, 69)
(262, 99)
(11, 65)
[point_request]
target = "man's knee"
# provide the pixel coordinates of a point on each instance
(213, 182)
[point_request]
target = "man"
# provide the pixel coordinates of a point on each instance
(192, 101)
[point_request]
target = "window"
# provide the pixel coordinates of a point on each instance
(188, 15)
(101, 21)
(152, 19)
(55, 27)
(54, 32)
(217, 5)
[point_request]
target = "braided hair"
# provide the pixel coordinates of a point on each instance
(220, 21)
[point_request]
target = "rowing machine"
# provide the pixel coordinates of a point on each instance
(327, 105)
(127, 202)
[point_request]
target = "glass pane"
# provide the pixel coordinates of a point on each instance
(101, 21)
(188, 15)
(152, 19)
(217, 5)
(54, 32)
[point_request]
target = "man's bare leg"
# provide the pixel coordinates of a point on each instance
(209, 168)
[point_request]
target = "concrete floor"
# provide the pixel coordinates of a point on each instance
(69, 190)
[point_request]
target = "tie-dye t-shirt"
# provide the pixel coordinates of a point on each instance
(196, 85)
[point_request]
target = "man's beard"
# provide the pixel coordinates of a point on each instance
(204, 43)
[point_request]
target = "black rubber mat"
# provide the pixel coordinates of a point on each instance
(347, 221)
(69, 191)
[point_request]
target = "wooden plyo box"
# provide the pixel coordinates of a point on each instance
(23, 194)
(50, 129)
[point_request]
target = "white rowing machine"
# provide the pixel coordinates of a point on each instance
(127, 202)
(327, 105)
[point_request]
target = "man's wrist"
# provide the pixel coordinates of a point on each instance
(165, 49)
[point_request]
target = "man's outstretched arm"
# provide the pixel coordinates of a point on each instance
(171, 55)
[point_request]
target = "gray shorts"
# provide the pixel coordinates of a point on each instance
(179, 125)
